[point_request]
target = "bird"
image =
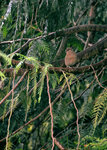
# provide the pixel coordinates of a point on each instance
(71, 57)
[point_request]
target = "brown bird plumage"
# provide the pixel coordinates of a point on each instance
(71, 57)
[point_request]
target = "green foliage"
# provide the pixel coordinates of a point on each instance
(54, 80)
(19, 65)
(40, 49)
(6, 59)
(70, 78)
(2, 76)
(42, 77)
(31, 19)
(5, 32)
(10, 145)
(93, 143)
(42, 46)
(62, 115)
(100, 108)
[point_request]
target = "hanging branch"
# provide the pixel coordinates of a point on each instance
(11, 110)
(50, 105)
(75, 108)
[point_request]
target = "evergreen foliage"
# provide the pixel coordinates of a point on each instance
(27, 51)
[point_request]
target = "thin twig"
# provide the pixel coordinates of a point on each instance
(80, 39)
(50, 105)
(21, 47)
(75, 108)
(88, 39)
(11, 110)
(81, 15)
(97, 78)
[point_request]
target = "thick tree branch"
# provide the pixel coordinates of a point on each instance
(80, 69)
(64, 32)
(89, 52)
(9, 72)
(93, 50)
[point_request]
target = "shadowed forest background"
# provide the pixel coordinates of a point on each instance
(45, 104)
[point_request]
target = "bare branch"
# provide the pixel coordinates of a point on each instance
(75, 108)
(50, 105)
